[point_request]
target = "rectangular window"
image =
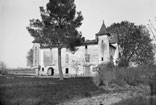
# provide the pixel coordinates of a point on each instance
(42, 68)
(101, 58)
(67, 70)
(86, 47)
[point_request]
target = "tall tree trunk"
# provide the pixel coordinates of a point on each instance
(60, 64)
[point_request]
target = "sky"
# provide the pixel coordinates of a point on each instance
(15, 41)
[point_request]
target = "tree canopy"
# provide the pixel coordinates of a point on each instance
(134, 43)
(58, 27)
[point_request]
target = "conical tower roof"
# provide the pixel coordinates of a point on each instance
(103, 30)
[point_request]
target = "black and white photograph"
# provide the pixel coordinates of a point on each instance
(77, 52)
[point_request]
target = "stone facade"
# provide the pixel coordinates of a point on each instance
(88, 56)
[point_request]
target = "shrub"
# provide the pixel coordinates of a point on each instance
(121, 76)
(97, 79)
(148, 76)
(106, 74)
(4, 72)
(130, 75)
(87, 94)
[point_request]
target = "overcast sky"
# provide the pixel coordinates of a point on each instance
(15, 41)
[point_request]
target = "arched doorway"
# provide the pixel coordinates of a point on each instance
(50, 71)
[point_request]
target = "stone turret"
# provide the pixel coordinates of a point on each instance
(103, 44)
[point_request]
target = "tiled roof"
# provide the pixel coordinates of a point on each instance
(90, 42)
(87, 42)
(103, 30)
(113, 39)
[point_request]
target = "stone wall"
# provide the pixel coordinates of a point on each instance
(76, 63)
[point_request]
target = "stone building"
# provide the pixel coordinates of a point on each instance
(83, 61)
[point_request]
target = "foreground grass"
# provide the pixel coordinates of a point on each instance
(44, 91)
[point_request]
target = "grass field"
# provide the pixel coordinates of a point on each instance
(15, 90)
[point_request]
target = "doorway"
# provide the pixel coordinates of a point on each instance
(50, 71)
